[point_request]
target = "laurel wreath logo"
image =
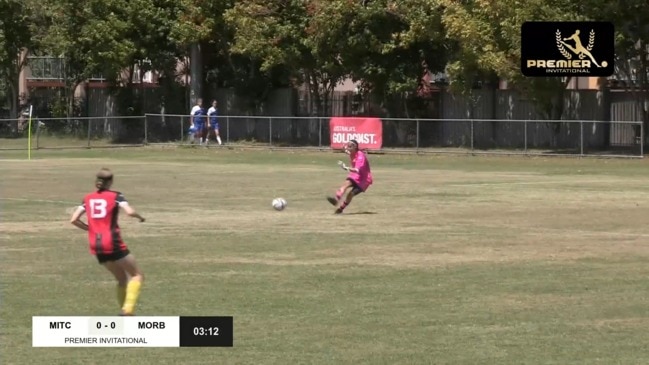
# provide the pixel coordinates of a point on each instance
(566, 54)
(578, 49)
(563, 51)
(591, 43)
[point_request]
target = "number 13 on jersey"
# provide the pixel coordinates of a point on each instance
(98, 208)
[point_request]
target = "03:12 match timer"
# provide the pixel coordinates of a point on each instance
(76, 331)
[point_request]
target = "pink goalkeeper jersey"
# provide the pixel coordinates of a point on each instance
(364, 176)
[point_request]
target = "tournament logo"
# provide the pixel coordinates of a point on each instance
(545, 51)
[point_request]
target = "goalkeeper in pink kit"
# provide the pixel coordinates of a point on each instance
(358, 180)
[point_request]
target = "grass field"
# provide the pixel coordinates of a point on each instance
(445, 260)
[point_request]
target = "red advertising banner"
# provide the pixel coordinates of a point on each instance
(367, 131)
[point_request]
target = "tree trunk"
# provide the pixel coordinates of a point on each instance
(196, 71)
(643, 95)
(13, 106)
(314, 91)
(71, 91)
(13, 83)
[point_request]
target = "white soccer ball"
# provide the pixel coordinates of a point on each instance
(279, 203)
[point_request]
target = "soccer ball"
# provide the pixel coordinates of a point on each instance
(279, 203)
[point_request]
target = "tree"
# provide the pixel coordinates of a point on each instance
(196, 20)
(15, 37)
(388, 46)
(486, 34)
(145, 31)
(148, 27)
(202, 24)
(279, 33)
(89, 37)
(631, 21)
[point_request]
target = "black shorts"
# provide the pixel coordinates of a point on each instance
(103, 258)
(355, 188)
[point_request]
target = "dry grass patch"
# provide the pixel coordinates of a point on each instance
(472, 260)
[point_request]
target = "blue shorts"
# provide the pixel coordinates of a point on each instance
(200, 126)
(214, 126)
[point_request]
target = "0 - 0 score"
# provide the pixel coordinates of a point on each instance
(147, 331)
(112, 325)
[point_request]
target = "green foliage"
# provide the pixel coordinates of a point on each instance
(392, 44)
(15, 35)
(273, 31)
(323, 42)
(631, 20)
(279, 34)
(224, 68)
(90, 36)
(196, 20)
(151, 24)
(254, 46)
(486, 35)
(14, 32)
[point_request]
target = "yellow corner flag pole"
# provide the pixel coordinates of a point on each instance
(29, 135)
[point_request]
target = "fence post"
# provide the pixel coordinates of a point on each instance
(182, 129)
(319, 132)
(38, 132)
(641, 139)
(146, 130)
(89, 120)
(270, 131)
(227, 129)
(471, 134)
(417, 137)
(581, 138)
(525, 139)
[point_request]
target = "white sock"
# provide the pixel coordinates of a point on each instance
(218, 138)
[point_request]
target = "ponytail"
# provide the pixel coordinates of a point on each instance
(104, 179)
(101, 184)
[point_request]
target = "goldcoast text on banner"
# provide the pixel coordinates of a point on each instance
(367, 131)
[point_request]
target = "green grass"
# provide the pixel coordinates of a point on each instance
(464, 260)
(46, 142)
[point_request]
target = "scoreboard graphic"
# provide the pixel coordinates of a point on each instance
(132, 331)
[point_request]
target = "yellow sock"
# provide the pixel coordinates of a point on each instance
(121, 295)
(132, 293)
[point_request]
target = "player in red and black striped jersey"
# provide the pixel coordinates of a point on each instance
(105, 241)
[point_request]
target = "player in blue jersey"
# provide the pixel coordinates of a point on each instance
(213, 122)
(198, 122)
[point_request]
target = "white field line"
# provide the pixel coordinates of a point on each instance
(441, 185)
(41, 201)
(530, 183)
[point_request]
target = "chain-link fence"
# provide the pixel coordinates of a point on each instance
(518, 136)
(581, 137)
(72, 132)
